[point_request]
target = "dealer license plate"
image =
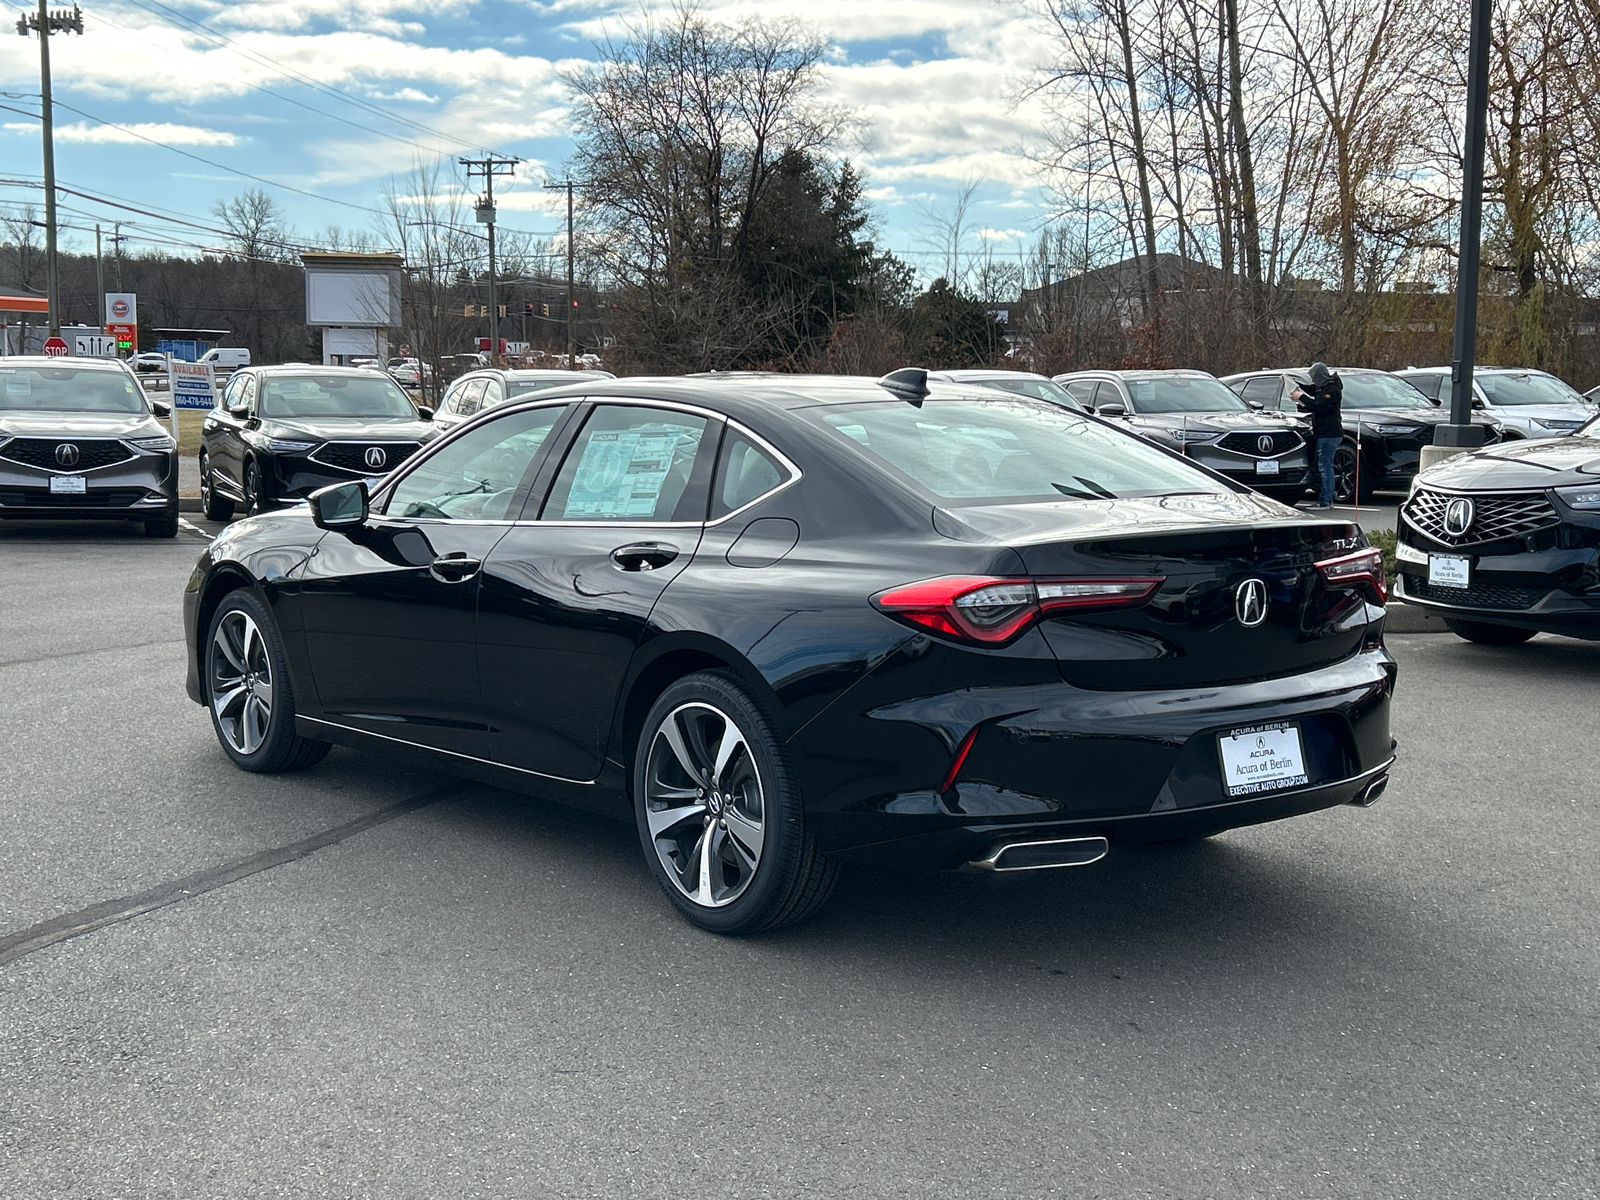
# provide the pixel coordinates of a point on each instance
(1262, 758)
(68, 485)
(1449, 570)
(1266, 466)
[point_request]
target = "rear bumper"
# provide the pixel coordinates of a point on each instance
(1062, 761)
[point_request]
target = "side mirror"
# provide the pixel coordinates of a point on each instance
(1114, 409)
(161, 408)
(1256, 405)
(238, 409)
(1476, 403)
(339, 505)
(424, 412)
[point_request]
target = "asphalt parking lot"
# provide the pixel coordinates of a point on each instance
(366, 980)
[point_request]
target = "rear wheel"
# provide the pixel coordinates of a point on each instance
(720, 814)
(215, 507)
(249, 695)
(1486, 634)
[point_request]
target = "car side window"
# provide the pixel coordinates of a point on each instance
(630, 465)
(469, 401)
(234, 388)
(1428, 385)
(477, 476)
(1265, 390)
(1082, 390)
(745, 473)
(452, 395)
(493, 393)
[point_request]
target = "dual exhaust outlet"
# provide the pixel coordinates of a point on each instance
(1043, 854)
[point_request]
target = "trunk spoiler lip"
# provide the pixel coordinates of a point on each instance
(949, 523)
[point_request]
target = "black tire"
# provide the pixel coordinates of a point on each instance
(215, 507)
(789, 880)
(1486, 634)
(262, 745)
(161, 527)
(252, 488)
(1345, 490)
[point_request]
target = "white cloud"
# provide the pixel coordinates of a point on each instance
(147, 131)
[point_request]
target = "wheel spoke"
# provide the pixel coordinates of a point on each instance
(225, 701)
(708, 849)
(732, 739)
(224, 642)
(672, 733)
(745, 836)
(254, 725)
(664, 819)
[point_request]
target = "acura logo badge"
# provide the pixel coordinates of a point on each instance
(67, 454)
(375, 457)
(1264, 443)
(1458, 516)
(1250, 603)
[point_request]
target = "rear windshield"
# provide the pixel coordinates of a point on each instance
(522, 387)
(68, 389)
(1178, 394)
(1034, 389)
(1527, 389)
(333, 396)
(1380, 391)
(981, 449)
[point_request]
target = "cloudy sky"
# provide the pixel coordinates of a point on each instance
(163, 107)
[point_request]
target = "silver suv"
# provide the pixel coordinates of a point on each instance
(1527, 403)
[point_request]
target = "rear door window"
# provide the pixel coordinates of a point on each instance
(1265, 390)
(745, 473)
(631, 465)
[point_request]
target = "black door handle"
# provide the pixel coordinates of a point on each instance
(643, 556)
(455, 567)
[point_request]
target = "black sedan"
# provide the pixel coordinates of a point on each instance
(784, 623)
(279, 433)
(1388, 419)
(79, 439)
(1193, 412)
(1505, 543)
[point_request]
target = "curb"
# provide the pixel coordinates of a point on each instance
(1408, 618)
(188, 504)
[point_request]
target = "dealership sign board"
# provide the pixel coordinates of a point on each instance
(194, 385)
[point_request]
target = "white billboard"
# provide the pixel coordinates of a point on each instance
(353, 296)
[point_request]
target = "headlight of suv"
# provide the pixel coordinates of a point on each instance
(1395, 430)
(287, 445)
(159, 441)
(1186, 437)
(1556, 426)
(1585, 496)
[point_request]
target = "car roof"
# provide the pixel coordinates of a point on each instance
(974, 375)
(63, 360)
(1141, 373)
(1307, 371)
(314, 369)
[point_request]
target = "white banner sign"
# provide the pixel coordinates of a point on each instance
(194, 385)
(94, 345)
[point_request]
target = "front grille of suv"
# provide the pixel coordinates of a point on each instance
(93, 498)
(352, 456)
(1479, 595)
(1241, 442)
(93, 453)
(1497, 516)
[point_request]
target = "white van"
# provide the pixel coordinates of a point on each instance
(227, 358)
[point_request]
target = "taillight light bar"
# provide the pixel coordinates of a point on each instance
(1364, 566)
(992, 611)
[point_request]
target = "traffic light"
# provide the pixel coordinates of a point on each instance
(502, 309)
(527, 309)
(546, 309)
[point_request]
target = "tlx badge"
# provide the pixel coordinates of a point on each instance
(1250, 603)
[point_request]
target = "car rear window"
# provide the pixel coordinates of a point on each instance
(68, 389)
(975, 450)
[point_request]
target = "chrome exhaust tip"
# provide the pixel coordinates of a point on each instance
(1040, 854)
(1368, 796)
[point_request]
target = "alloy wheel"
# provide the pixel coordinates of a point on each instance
(241, 682)
(206, 503)
(1344, 474)
(705, 804)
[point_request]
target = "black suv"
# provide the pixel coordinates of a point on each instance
(1389, 419)
(80, 439)
(1504, 543)
(279, 433)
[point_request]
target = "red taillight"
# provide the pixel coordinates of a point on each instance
(994, 611)
(1364, 566)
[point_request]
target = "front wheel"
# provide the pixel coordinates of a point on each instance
(247, 685)
(1350, 486)
(252, 489)
(215, 507)
(720, 814)
(1486, 634)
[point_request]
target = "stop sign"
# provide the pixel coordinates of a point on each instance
(55, 347)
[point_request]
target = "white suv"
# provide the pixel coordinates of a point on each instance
(1527, 403)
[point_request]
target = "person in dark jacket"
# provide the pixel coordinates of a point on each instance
(1321, 398)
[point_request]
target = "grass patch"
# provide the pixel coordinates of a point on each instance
(189, 422)
(1383, 539)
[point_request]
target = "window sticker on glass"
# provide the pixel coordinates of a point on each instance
(622, 472)
(19, 385)
(1144, 391)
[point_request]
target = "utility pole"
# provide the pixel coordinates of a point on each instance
(1460, 433)
(99, 279)
(488, 168)
(572, 300)
(43, 23)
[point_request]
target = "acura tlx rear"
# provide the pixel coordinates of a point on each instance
(1095, 672)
